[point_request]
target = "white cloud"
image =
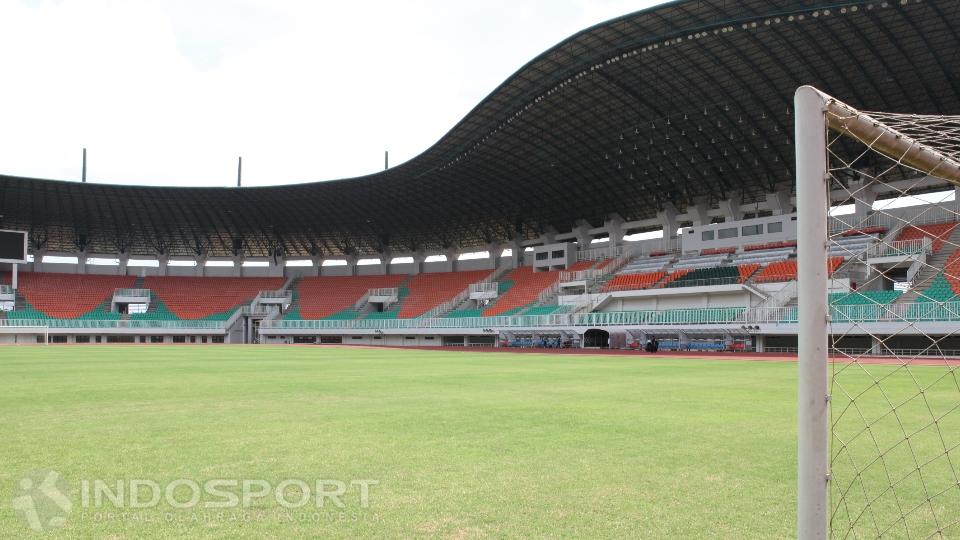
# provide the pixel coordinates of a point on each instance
(171, 93)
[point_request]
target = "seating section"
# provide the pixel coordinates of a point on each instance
(747, 270)
(428, 290)
(546, 310)
(850, 246)
(322, 297)
(787, 270)
(771, 245)
(581, 265)
(938, 232)
(206, 297)
(718, 251)
(876, 230)
(643, 265)
(632, 282)
(526, 287)
(858, 298)
(720, 275)
(68, 296)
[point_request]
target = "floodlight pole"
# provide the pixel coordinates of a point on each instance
(813, 420)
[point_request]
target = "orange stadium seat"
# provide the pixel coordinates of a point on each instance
(787, 270)
(428, 290)
(67, 296)
(527, 286)
(323, 296)
(938, 232)
(199, 297)
(630, 282)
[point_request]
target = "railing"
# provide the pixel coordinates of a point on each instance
(919, 312)
(935, 352)
(547, 294)
(274, 294)
(447, 306)
(138, 293)
(579, 275)
(113, 324)
(596, 254)
(384, 291)
(891, 218)
(901, 248)
(484, 287)
(863, 313)
(680, 282)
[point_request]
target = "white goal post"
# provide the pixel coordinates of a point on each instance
(878, 393)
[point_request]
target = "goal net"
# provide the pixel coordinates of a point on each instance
(879, 318)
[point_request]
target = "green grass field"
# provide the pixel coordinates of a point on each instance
(461, 445)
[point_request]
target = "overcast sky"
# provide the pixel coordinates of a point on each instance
(171, 92)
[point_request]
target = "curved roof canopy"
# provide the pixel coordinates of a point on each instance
(685, 101)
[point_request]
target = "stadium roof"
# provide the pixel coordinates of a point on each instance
(685, 101)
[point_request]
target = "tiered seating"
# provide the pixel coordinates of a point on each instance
(877, 231)
(676, 274)
(603, 263)
(944, 288)
(526, 286)
(207, 297)
(546, 310)
(861, 305)
(771, 245)
(323, 296)
(787, 270)
(747, 270)
(632, 282)
(696, 261)
(429, 290)
(465, 313)
(720, 275)
(642, 265)
(857, 298)
(718, 251)
(581, 265)
(938, 232)
(850, 246)
(763, 257)
(68, 296)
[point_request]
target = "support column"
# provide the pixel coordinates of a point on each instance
(451, 254)
(760, 341)
(124, 262)
(779, 202)
(418, 257)
(614, 228)
(699, 213)
(162, 268)
(731, 208)
(494, 249)
(668, 218)
(82, 262)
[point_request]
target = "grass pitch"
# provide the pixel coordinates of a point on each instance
(461, 445)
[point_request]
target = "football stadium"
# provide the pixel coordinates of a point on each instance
(693, 272)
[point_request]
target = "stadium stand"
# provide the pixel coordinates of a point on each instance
(937, 232)
(429, 290)
(525, 286)
(191, 298)
(68, 296)
(628, 282)
(322, 297)
(787, 270)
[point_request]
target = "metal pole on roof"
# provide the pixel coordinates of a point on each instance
(386, 159)
(239, 170)
(83, 170)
